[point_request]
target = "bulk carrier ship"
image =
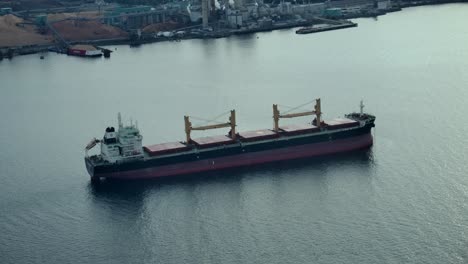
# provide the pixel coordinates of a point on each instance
(124, 157)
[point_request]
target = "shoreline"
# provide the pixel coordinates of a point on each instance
(12, 51)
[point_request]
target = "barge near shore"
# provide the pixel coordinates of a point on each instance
(325, 27)
(123, 156)
(84, 51)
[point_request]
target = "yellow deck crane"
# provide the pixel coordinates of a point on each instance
(317, 112)
(231, 123)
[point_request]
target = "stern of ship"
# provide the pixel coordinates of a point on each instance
(89, 166)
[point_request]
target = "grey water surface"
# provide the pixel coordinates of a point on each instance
(403, 201)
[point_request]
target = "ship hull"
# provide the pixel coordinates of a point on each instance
(239, 160)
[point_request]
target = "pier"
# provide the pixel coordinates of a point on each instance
(325, 27)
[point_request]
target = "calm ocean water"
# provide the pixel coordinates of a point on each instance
(403, 201)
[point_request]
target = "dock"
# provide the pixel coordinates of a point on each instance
(325, 27)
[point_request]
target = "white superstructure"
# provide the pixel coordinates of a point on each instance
(121, 145)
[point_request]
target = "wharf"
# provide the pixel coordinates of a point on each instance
(325, 27)
(275, 26)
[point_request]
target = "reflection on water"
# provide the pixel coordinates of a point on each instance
(209, 208)
(129, 197)
(136, 190)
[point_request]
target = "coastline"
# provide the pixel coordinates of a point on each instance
(8, 52)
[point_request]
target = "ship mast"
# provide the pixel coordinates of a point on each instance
(232, 123)
(119, 118)
(361, 106)
(317, 112)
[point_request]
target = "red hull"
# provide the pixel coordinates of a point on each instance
(82, 53)
(309, 150)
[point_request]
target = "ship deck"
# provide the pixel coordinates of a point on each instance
(248, 137)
